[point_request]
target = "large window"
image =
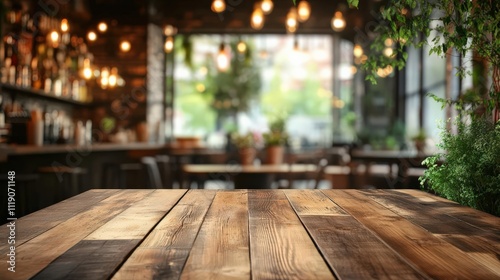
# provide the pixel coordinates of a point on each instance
(276, 76)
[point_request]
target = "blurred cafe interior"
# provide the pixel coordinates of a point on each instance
(194, 94)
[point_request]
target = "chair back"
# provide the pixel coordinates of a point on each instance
(320, 171)
(154, 178)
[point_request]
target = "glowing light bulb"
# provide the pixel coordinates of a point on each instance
(102, 26)
(54, 36)
(222, 58)
(125, 46)
(338, 22)
(267, 6)
(218, 6)
(64, 25)
(169, 44)
(257, 20)
(357, 51)
(242, 47)
(291, 20)
(170, 30)
(91, 36)
(303, 10)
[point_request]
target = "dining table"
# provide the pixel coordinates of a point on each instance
(247, 176)
(252, 234)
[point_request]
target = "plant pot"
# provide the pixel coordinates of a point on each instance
(419, 145)
(247, 156)
(275, 154)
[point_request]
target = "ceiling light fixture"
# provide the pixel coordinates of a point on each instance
(223, 58)
(291, 20)
(102, 27)
(267, 6)
(125, 46)
(257, 20)
(303, 10)
(218, 6)
(169, 44)
(338, 21)
(64, 25)
(91, 36)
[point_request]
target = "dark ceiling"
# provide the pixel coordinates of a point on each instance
(196, 16)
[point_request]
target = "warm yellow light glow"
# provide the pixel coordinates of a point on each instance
(242, 47)
(384, 72)
(54, 36)
(257, 20)
(338, 22)
(102, 26)
(64, 25)
(388, 52)
(388, 42)
(170, 30)
(218, 6)
(203, 71)
(169, 44)
(303, 10)
(357, 51)
(87, 73)
(291, 20)
(91, 36)
(125, 46)
(104, 77)
(223, 59)
(267, 6)
(113, 78)
(200, 87)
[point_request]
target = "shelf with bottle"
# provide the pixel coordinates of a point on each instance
(41, 58)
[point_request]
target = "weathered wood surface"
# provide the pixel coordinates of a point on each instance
(255, 234)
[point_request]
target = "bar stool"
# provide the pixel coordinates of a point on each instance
(115, 174)
(71, 179)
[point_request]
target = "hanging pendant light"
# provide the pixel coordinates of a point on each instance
(338, 21)
(223, 58)
(267, 6)
(257, 20)
(291, 20)
(169, 44)
(303, 10)
(241, 47)
(218, 6)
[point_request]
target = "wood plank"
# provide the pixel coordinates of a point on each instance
(164, 252)
(350, 249)
(38, 252)
(221, 248)
(312, 202)
(469, 215)
(110, 244)
(353, 252)
(35, 224)
(481, 245)
(280, 247)
(430, 254)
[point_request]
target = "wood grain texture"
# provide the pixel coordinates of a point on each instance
(469, 215)
(136, 221)
(89, 259)
(430, 254)
(353, 252)
(279, 245)
(38, 252)
(33, 225)
(350, 249)
(164, 252)
(221, 248)
(110, 244)
(480, 244)
(312, 202)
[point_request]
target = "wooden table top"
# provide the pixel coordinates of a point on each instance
(236, 168)
(255, 234)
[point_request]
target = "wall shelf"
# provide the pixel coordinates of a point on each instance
(39, 94)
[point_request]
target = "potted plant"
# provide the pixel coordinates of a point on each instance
(469, 172)
(246, 147)
(419, 140)
(274, 141)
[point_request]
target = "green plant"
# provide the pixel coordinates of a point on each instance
(420, 136)
(276, 135)
(243, 140)
(469, 171)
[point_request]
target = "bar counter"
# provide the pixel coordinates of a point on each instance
(254, 234)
